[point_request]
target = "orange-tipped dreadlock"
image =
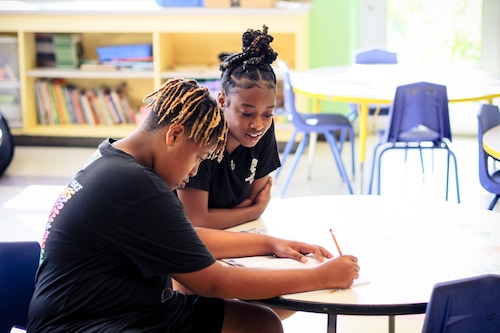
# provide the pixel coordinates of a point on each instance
(184, 102)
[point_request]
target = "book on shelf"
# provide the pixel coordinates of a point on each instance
(77, 106)
(47, 109)
(68, 49)
(59, 103)
(70, 108)
(128, 110)
(56, 113)
(41, 105)
(115, 65)
(114, 111)
(116, 100)
(88, 112)
(109, 113)
(96, 108)
(45, 52)
(96, 65)
(130, 65)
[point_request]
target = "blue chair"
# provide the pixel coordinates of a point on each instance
(464, 306)
(375, 55)
(306, 123)
(18, 264)
(488, 117)
(372, 56)
(418, 119)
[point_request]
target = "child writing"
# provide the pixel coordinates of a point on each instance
(118, 234)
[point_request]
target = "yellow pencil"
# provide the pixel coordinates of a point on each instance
(335, 240)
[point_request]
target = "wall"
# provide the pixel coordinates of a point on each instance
(491, 30)
(334, 35)
(334, 32)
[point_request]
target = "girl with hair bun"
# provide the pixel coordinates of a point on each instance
(238, 189)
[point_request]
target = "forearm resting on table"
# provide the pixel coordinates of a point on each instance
(222, 218)
(227, 244)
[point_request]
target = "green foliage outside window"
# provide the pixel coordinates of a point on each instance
(435, 32)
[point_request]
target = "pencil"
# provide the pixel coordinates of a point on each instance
(335, 240)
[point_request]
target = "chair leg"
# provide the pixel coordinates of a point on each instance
(456, 176)
(372, 172)
(342, 140)
(286, 152)
(379, 164)
(450, 153)
(351, 138)
(312, 147)
(494, 202)
(338, 159)
(379, 177)
(447, 173)
(422, 160)
(298, 154)
(374, 117)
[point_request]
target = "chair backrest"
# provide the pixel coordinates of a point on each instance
(18, 264)
(288, 94)
(488, 117)
(465, 305)
(416, 107)
(375, 55)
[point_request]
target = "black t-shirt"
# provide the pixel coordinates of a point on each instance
(229, 182)
(112, 238)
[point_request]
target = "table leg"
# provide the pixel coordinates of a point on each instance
(363, 135)
(332, 323)
(312, 141)
(392, 324)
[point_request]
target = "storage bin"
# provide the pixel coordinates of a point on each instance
(10, 104)
(241, 3)
(9, 68)
(180, 3)
(107, 53)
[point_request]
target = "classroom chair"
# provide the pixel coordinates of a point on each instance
(307, 123)
(488, 117)
(464, 306)
(418, 119)
(18, 264)
(372, 55)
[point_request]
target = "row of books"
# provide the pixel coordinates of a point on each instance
(61, 104)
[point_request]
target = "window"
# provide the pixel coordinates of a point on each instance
(435, 32)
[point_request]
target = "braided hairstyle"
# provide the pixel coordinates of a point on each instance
(185, 102)
(252, 67)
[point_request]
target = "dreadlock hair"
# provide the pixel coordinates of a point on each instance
(252, 67)
(185, 102)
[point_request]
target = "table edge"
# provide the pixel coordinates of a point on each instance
(344, 309)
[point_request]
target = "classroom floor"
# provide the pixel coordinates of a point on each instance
(33, 180)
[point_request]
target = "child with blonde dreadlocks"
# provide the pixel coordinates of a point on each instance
(118, 234)
(238, 189)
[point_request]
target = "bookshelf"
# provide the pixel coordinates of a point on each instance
(185, 42)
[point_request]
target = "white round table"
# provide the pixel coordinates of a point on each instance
(404, 248)
(491, 142)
